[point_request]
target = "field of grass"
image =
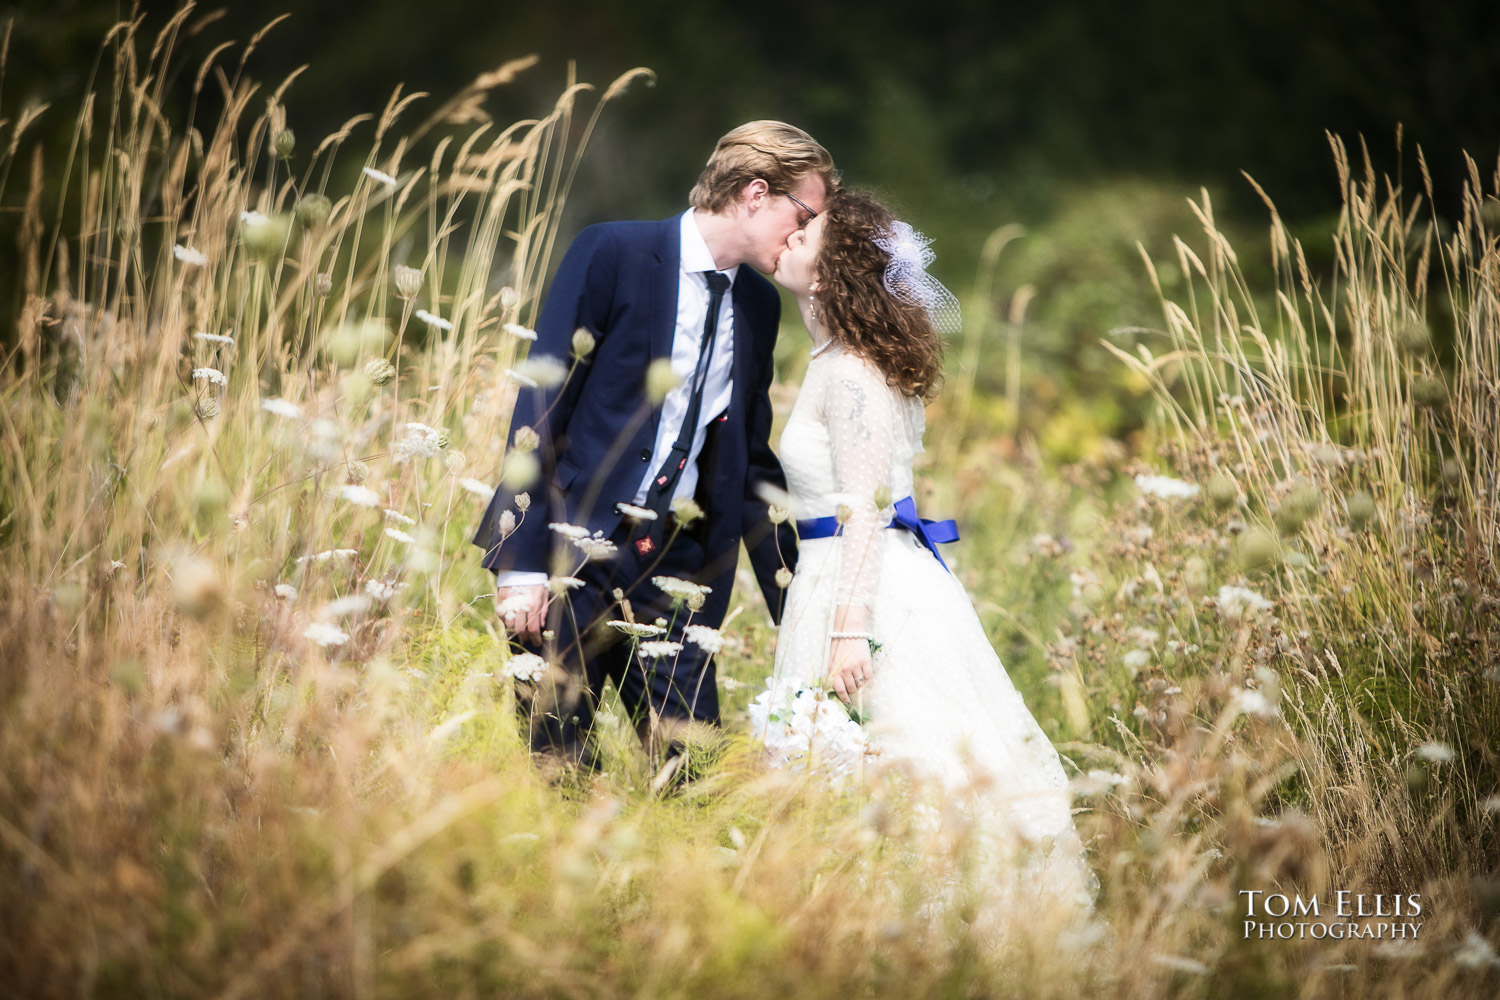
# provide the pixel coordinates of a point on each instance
(256, 736)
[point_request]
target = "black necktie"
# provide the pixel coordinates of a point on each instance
(659, 495)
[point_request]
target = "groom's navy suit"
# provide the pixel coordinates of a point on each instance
(620, 281)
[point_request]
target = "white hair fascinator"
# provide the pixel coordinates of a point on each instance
(907, 279)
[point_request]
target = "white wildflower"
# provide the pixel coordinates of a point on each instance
(253, 218)
(381, 590)
(560, 585)
(638, 513)
(1234, 602)
(1165, 487)
(326, 634)
(399, 535)
(525, 667)
(542, 371)
(710, 640)
(1181, 964)
(730, 684)
(279, 407)
(517, 330)
(658, 649)
(1475, 952)
(419, 441)
(214, 338)
(1256, 703)
(572, 531)
(1136, 659)
(361, 495)
(329, 554)
(436, 322)
(190, 256)
(286, 591)
(474, 486)
(513, 605)
(380, 177)
(211, 375)
(1437, 753)
(398, 517)
(596, 548)
(352, 604)
(680, 590)
(638, 629)
(1491, 806)
(1095, 783)
(524, 381)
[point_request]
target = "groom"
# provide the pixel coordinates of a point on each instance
(625, 465)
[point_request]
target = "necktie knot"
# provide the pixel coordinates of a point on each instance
(718, 284)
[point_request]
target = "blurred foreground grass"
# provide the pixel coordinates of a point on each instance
(256, 740)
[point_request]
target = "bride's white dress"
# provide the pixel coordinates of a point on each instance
(940, 705)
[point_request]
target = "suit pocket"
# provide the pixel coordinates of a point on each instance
(565, 473)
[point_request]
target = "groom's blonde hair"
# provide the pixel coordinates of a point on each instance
(778, 153)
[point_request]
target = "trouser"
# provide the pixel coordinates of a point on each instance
(660, 695)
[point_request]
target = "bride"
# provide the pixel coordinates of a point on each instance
(873, 612)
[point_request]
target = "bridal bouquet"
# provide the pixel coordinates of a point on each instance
(808, 725)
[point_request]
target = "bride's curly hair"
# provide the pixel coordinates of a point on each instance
(857, 310)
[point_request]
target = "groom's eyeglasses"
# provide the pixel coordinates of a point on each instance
(811, 215)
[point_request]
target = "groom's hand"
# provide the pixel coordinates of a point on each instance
(525, 621)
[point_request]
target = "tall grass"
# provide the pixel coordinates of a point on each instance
(254, 733)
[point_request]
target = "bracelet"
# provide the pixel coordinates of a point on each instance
(850, 635)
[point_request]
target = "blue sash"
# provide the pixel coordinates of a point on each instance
(930, 533)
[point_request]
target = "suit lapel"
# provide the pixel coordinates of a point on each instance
(665, 282)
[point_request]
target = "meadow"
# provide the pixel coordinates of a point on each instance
(257, 729)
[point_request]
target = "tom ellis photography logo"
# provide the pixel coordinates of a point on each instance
(1345, 916)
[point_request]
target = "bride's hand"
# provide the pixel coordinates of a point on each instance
(851, 667)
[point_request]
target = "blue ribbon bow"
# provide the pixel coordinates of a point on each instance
(930, 533)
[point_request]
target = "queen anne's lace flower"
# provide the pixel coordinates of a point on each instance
(214, 338)
(569, 530)
(517, 330)
(1234, 602)
(381, 590)
(639, 629)
(190, 256)
(525, 667)
(434, 321)
(379, 177)
(210, 375)
(638, 513)
(680, 590)
(326, 634)
(286, 591)
(420, 441)
(361, 495)
(398, 535)
(352, 604)
(1165, 487)
(479, 489)
(658, 650)
(281, 408)
(329, 554)
(710, 640)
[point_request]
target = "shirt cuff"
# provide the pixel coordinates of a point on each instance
(520, 578)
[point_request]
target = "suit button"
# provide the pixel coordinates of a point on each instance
(645, 454)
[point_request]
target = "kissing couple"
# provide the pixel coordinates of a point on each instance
(657, 491)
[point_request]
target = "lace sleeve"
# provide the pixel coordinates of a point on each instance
(862, 417)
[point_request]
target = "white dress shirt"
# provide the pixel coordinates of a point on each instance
(687, 339)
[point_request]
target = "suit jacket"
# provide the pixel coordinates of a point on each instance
(619, 280)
